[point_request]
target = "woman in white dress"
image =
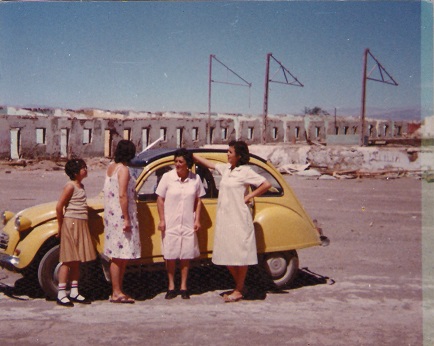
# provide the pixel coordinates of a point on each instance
(234, 234)
(179, 207)
(121, 227)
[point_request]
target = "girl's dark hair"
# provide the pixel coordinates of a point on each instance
(242, 150)
(188, 156)
(125, 151)
(72, 167)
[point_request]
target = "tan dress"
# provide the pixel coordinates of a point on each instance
(75, 240)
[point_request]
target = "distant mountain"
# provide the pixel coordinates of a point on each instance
(387, 114)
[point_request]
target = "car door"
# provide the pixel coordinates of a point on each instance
(147, 212)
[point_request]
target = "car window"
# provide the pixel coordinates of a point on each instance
(275, 189)
(149, 186)
(211, 181)
(135, 171)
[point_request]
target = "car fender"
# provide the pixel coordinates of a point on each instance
(32, 243)
(286, 229)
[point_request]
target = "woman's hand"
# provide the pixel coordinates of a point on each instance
(127, 226)
(247, 199)
(197, 226)
(162, 225)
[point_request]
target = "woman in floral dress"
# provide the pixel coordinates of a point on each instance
(121, 231)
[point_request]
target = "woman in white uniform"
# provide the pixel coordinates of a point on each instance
(179, 206)
(234, 235)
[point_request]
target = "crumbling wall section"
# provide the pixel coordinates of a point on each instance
(250, 130)
(54, 134)
(295, 130)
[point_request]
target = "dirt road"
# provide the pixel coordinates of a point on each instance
(363, 289)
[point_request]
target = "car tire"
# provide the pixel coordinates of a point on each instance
(281, 266)
(48, 271)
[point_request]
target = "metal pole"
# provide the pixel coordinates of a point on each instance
(336, 127)
(362, 115)
(208, 125)
(264, 115)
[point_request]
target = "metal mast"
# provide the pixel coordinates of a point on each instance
(285, 72)
(210, 81)
(383, 73)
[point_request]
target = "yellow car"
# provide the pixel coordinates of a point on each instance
(28, 242)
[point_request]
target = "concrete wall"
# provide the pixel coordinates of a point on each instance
(53, 134)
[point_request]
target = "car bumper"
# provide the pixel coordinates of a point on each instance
(8, 260)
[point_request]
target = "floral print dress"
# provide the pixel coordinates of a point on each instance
(117, 243)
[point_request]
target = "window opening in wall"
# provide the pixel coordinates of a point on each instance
(370, 130)
(41, 136)
(274, 133)
(398, 130)
(297, 132)
(127, 134)
(250, 133)
(64, 142)
(317, 131)
(336, 130)
(386, 128)
(195, 133)
(211, 134)
(354, 130)
(87, 136)
(224, 133)
(15, 143)
(145, 138)
(163, 133)
(179, 133)
(108, 141)
(345, 130)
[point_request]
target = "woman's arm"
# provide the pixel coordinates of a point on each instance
(64, 198)
(258, 192)
(203, 162)
(124, 178)
(197, 210)
(160, 208)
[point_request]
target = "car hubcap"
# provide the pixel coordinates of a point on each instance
(277, 266)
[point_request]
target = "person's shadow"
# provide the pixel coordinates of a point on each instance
(143, 284)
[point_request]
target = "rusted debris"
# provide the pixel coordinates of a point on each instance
(20, 163)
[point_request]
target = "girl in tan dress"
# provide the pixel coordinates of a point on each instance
(75, 242)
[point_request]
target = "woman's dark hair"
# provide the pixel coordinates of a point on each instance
(188, 156)
(125, 151)
(242, 150)
(72, 167)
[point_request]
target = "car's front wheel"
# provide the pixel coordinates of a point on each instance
(48, 272)
(281, 266)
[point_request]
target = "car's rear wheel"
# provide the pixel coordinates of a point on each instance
(48, 272)
(281, 266)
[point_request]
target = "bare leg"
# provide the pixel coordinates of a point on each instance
(74, 273)
(170, 267)
(117, 270)
(239, 274)
(185, 266)
(64, 272)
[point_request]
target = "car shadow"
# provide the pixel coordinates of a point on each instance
(144, 285)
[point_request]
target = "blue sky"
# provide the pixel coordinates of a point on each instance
(154, 56)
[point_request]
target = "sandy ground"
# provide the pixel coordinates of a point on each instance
(364, 289)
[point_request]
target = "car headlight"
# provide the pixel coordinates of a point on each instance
(22, 223)
(6, 216)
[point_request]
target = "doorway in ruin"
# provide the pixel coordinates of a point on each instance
(179, 137)
(15, 143)
(108, 143)
(64, 142)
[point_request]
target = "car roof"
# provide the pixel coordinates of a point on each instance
(150, 155)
